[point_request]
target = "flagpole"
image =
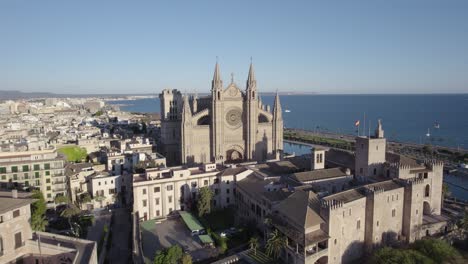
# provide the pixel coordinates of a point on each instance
(364, 128)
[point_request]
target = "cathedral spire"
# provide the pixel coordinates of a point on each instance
(216, 75)
(216, 84)
(277, 111)
(251, 82)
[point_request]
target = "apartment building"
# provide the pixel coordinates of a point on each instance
(43, 169)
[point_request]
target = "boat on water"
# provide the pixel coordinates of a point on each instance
(428, 134)
(287, 111)
(436, 125)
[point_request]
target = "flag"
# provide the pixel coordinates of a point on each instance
(357, 123)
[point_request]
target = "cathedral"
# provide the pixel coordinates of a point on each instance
(230, 125)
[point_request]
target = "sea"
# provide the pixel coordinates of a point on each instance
(438, 119)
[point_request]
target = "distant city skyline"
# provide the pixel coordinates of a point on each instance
(356, 47)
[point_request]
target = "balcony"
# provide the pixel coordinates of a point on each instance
(59, 182)
(58, 189)
(18, 245)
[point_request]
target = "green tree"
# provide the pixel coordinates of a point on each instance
(253, 244)
(389, 255)
(275, 243)
(186, 259)
(39, 206)
(445, 190)
(172, 255)
(38, 209)
(84, 198)
(39, 222)
(69, 212)
(204, 201)
(436, 249)
(60, 199)
(160, 257)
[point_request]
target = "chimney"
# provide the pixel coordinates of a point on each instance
(318, 159)
(14, 194)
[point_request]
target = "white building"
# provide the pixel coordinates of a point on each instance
(158, 192)
(105, 189)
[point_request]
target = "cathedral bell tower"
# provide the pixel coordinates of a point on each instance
(251, 113)
(217, 115)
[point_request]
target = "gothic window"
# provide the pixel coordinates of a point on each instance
(427, 191)
(262, 118)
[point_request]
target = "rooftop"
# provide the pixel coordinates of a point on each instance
(9, 204)
(315, 175)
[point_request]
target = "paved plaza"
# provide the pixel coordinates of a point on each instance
(157, 236)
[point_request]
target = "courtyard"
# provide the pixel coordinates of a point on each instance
(158, 236)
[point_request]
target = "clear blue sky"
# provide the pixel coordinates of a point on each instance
(388, 46)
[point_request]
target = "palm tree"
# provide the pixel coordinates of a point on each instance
(253, 244)
(275, 244)
(70, 212)
(39, 222)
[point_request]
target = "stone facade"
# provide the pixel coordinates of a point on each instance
(230, 125)
(391, 199)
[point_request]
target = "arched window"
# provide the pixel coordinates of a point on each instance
(427, 191)
(375, 171)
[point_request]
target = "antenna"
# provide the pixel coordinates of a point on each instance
(369, 127)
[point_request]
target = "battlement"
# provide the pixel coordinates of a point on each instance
(368, 190)
(433, 163)
(412, 181)
(170, 92)
(331, 204)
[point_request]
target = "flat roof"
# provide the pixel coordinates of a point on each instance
(192, 223)
(9, 204)
(206, 239)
